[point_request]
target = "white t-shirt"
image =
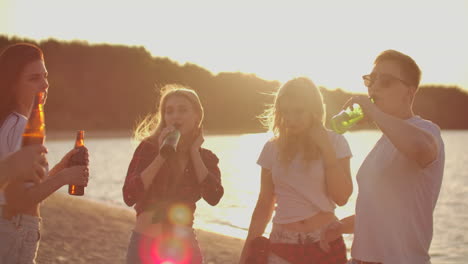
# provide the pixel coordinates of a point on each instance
(300, 188)
(395, 203)
(10, 138)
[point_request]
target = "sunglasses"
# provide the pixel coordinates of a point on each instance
(386, 80)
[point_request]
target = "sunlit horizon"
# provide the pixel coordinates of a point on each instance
(332, 42)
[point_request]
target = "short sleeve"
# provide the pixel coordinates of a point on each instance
(267, 156)
(11, 131)
(341, 146)
(432, 129)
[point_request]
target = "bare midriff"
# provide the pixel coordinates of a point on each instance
(144, 225)
(32, 211)
(312, 223)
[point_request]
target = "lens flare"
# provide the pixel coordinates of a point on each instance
(166, 249)
(179, 214)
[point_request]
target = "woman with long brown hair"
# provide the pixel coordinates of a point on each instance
(23, 75)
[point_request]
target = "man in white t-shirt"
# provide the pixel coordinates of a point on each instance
(400, 179)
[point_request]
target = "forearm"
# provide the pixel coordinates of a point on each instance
(200, 169)
(413, 142)
(148, 174)
(347, 225)
(37, 193)
(57, 168)
(337, 177)
(258, 223)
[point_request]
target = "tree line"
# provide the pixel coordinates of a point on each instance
(112, 87)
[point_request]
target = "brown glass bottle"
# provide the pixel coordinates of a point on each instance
(78, 158)
(34, 133)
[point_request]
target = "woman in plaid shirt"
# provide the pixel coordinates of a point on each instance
(164, 190)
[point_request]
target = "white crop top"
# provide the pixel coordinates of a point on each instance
(300, 188)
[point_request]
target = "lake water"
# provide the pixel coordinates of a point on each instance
(110, 156)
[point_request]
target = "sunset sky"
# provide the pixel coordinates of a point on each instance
(332, 42)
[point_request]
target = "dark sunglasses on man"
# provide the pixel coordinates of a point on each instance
(386, 80)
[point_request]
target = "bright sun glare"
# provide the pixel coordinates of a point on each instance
(332, 42)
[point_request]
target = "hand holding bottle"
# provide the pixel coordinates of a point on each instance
(168, 141)
(27, 164)
(357, 108)
(77, 176)
(365, 102)
(79, 158)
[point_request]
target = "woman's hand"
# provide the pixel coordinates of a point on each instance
(65, 162)
(76, 175)
(28, 163)
(319, 135)
(164, 132)
(199, 139)
(332, 232)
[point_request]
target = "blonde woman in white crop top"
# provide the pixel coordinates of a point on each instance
(306, 173)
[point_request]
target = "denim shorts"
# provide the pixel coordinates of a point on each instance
(8, 238)
(180, 246)
(19, 239)
(303, 247)
(280, 235)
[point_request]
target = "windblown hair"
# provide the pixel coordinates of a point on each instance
(303, 91)
(150, 127)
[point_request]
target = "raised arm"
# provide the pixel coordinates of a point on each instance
(145, 164)
(414, 142)
(209, 176)
(337, 171)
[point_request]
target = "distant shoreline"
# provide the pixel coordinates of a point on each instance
(70, 134)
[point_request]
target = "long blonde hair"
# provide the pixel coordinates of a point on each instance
(309, 95)
(150, 127)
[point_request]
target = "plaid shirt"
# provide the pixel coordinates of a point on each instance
(162, 192)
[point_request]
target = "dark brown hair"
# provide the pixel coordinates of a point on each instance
(13, 59)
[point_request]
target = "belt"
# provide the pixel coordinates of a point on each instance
(357, 261)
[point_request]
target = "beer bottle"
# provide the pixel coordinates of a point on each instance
(34, 133)
(169, 144)
(77, 159)
(346, 119)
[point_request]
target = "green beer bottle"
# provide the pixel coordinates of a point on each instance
(344, 120)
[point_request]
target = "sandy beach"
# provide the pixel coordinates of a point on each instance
(76, 230)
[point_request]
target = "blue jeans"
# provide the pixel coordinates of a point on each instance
(179, 247)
